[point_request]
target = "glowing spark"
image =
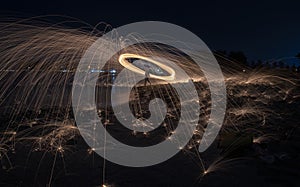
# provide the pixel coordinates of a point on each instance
(130, 66)
(60, 149)
(25, 75)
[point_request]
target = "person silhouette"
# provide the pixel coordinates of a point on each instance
(147, 76)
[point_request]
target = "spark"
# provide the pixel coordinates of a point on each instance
(36, 73)
(126, 64)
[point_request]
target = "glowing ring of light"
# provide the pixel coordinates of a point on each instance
(130, 66)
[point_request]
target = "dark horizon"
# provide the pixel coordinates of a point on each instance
(262, 30)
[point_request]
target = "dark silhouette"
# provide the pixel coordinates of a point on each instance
(147, 76)
(275, 65)
(259, 64)
(281, 64)
(294, 68)
(268, 65)
(238, 56)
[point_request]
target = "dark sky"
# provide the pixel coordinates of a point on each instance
(262, 29)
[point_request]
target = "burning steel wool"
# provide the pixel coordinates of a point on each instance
(38, 62)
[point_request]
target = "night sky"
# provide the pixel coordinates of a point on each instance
(263, 30)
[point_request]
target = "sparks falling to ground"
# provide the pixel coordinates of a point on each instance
(37, 66)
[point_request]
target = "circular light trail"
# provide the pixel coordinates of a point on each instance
(151, 63)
